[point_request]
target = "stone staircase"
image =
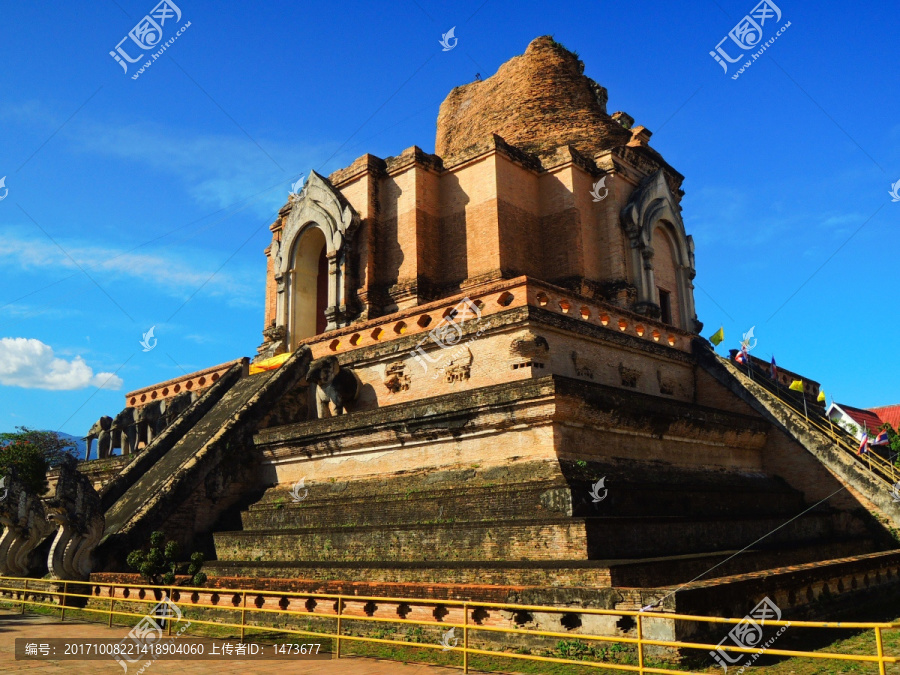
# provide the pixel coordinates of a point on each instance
(829, 446)
(185, 484)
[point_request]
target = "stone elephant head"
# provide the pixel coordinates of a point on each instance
(336, 387)
(124, 431)
(149, 420)
(100, 432)
(175, 406)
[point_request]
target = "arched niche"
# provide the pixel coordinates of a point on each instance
(652, 220)
(308, 276)
(665, 273)
(317, 220)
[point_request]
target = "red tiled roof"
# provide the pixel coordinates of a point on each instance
(863, 418)
(889, 414)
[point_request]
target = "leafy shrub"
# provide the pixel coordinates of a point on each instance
(29, 463)
(158, 564)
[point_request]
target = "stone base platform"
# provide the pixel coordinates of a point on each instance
(641, 573)
(827, 589)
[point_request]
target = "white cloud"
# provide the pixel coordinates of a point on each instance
(31, 364)
(214, 169)
(185, 270)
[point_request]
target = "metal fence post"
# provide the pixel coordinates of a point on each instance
(243, 614)
(340, 609)
(24, 593)
(62, 601)
(880, 647)
(169, 598)
(465, 637)
(640, 643)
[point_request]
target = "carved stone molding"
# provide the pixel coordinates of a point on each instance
(459, 368)
(653, 204)
(629, 376)
(319, 205)
(528, 349)
(666, 384)
(581, 369)
(396, 378)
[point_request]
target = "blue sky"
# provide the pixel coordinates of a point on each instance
(138, 203)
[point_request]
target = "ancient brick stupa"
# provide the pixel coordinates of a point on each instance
(509, 397)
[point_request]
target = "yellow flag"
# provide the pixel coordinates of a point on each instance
(717, 337)
(796, 385)
(821, 398)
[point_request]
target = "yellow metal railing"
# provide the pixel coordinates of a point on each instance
(46, 593)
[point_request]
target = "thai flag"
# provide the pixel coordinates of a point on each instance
(741, 356)
(881, 439)
(864, 446)
(773, 370)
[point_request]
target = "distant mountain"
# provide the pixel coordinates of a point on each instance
(80, 444)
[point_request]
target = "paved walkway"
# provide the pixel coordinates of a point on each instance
(14, 626)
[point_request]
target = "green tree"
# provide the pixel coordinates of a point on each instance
(29, 463)
(159, 563)
(31, 453)
(894, 442)
(51, 445)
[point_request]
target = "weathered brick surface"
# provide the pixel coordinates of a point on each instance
(538, 101)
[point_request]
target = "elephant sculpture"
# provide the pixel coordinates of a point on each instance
(123, 432)
(174, 407)
(148, 418)
(101, 433)
(134, 426)
(336, 387)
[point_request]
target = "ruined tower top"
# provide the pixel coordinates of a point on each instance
(537, 101)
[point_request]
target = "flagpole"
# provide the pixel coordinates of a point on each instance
(830, 422)
(891, 462)
(866, 446)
